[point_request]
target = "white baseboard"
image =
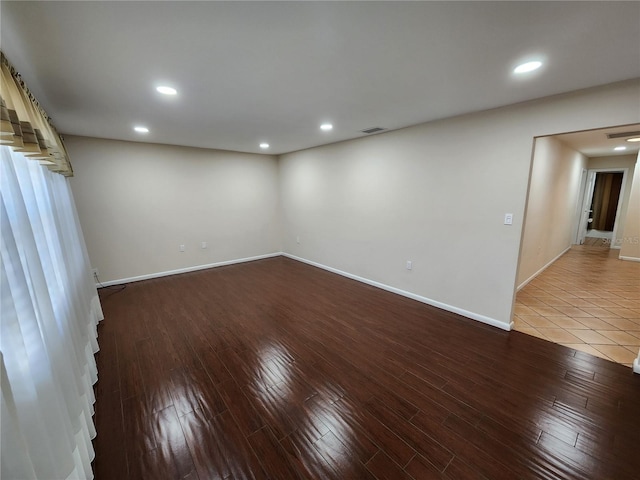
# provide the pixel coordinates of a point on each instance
(450, 308)
(629, 259)
(186, 270)
(524, 284)
(636, 365)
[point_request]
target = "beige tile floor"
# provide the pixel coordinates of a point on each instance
(588, 300)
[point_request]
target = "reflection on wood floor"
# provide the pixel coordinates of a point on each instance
(278, 370)
(597, 242)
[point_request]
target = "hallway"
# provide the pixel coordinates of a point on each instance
(588, 300)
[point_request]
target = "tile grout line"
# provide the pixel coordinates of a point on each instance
(583, 302)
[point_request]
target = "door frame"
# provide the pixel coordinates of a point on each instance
(588, 199)
(578, 238)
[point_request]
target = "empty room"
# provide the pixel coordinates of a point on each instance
(320, 240)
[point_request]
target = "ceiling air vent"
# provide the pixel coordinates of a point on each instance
(372, 130)
(623, 134)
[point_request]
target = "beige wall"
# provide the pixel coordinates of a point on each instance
(138, 202)
(552, 203)
(631, 237)
(619, 161)
(435, 194)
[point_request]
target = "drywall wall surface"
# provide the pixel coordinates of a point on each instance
(435, 194)
(551, 205)
(138, 202)
(630, 248)
(618, 162)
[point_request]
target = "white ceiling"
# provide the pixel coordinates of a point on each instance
(251, 72)
(596, 143)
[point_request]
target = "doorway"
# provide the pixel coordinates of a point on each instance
(602, 202)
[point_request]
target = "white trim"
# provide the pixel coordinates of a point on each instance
(465, 313)
(629, 259)
(186, 270)
(636, 365)
(576, 232)
(523, 284)
(587, 199)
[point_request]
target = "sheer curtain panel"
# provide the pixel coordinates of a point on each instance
(49, 314)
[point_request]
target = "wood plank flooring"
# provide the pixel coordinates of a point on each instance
(277, 370)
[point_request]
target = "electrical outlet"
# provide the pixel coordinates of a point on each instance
(95, 273)
(508, 218)
(409, 265)
(298, 239)
(182, 248)
(203, 245)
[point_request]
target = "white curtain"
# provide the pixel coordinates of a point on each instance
(49, 313)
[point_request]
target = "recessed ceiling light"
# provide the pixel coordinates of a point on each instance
(141, 129)
(167, 90)
(634, 139)
(264, 145)
(326, 127)
(528, 67)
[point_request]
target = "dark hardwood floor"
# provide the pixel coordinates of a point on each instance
(278, 370)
